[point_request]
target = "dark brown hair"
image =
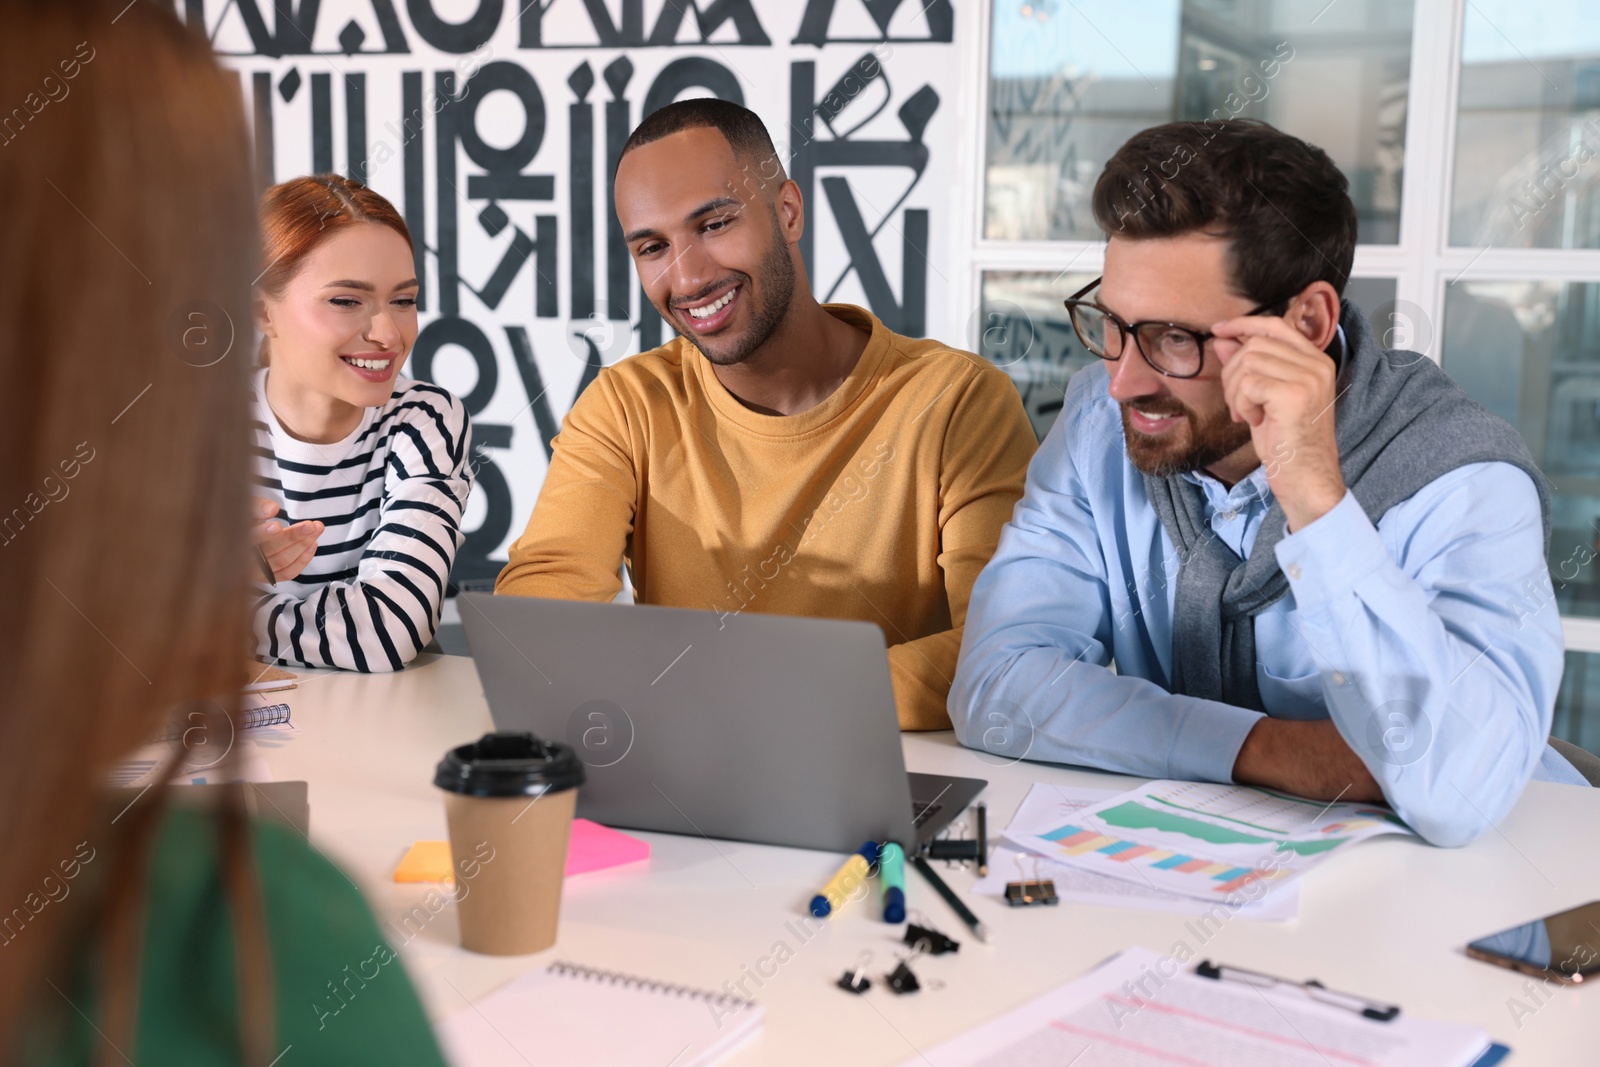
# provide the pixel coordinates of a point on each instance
(298, 215)
(1281, 202)
(125, 267)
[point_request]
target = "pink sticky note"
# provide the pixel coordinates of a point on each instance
(593, 847)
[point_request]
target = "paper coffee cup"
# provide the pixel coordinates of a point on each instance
(509, 799)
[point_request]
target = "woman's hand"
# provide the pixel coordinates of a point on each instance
(285, 549)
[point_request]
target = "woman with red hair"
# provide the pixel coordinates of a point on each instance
(362, 474)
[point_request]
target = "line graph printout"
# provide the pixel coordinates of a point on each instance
(1206, 840)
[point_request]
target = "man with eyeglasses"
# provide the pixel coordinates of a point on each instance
(1316, 564)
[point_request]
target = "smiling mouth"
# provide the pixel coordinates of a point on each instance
(1151, 423)
(373, 369)
(713, 314)
(712, 308)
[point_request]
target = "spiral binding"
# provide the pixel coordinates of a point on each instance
(564, 969)
(268, 715)
(247, 719)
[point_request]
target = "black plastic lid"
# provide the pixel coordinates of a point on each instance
(509, 765)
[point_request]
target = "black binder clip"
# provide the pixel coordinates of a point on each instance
(952, 849)
(1032, 892)
(857, 981)
(930, 940)
(955, 850)
(901, 980)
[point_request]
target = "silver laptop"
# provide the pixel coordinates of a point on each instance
(752, 727)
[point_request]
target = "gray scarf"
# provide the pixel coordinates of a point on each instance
(1402, 423)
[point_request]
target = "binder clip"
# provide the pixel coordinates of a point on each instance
(1031, 893)
(955, 850)
(901, 980)
(952, 849)
(857, 981)
(929, 940)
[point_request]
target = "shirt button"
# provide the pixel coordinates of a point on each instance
(1229, 516)
(1293, 571)
(1338, 677)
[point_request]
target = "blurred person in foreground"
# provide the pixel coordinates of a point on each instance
(133, 930)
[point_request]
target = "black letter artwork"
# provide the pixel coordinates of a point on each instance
(504, 128)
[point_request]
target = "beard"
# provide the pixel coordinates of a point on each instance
(1198, 443)
(777, 274)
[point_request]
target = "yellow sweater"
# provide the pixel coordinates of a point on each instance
(882, 503)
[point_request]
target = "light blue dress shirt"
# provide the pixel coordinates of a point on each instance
(1432, 639)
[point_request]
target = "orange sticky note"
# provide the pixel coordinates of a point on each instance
(426, 861)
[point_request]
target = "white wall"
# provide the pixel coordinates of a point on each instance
(470, 117)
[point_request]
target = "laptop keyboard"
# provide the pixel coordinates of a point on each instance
(921, 812)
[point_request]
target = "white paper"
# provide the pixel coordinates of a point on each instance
(1140, 1009)
(1075, 886)
(1203, 840)
(1045, 807)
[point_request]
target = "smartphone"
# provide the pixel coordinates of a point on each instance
(1564, 947)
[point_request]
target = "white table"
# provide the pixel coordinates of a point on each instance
(1386, 921)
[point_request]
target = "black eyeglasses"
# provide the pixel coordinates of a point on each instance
(1171, 349)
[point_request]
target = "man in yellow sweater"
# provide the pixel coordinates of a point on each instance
(779, 455)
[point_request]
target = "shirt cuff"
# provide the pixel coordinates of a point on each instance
(1325, 560)
(1206, 744)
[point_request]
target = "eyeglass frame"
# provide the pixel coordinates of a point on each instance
(1128, 329)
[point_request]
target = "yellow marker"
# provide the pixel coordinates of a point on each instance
(853, 872)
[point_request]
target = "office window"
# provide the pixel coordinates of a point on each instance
(1580, 690)
(1025, 330)
(1530, 352)
(1069, 82)
(1527, 159)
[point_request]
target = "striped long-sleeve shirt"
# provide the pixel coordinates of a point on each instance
(391, 497)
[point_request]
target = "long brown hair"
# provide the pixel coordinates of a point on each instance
(126, 258)
(299, 214)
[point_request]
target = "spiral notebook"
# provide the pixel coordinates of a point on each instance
(567, 1013)
(250, 718)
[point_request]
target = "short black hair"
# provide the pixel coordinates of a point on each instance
(739, 126)
(1282, 203)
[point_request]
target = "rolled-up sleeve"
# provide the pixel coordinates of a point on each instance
(1033, 679)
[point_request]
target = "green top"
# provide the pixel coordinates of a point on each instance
(342, 994)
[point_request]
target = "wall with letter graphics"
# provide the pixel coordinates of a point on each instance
(494, 128)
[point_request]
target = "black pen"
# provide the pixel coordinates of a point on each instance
(266, 568)
(983, 840)
(951, 899)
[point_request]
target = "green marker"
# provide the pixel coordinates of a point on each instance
(892, 871)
